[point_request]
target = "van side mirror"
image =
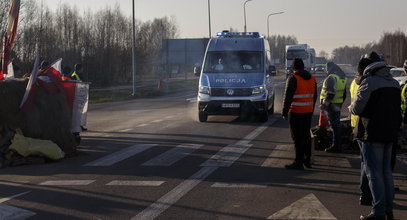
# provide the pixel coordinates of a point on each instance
(272, 71)
(197, 70)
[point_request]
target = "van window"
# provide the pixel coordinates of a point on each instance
(234, 62)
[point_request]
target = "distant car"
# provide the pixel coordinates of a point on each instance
(273, 70)
(399, 75)
(320, 69)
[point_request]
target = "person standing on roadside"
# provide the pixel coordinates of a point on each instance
(378, 107)
(77, 73)
(298, 106)
(365, 194)
(404, 96)
(333, 94)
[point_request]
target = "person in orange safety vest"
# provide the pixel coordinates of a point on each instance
(298, 106)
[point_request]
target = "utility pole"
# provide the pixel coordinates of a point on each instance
(244, 12)
(209, 16)
(134, 50)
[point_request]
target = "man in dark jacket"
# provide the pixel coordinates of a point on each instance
(298, 106)
(378, 107)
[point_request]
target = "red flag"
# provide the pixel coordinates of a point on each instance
(9, 35)
(28, 97)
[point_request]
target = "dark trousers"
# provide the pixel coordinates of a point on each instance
(335, 120)
(300, 125)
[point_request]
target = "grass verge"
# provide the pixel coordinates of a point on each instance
(109, 95)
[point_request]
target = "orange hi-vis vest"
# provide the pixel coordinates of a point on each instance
(303, 99)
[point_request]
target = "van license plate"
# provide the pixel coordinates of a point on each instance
(230, 105)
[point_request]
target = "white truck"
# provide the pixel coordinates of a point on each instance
(302, 51)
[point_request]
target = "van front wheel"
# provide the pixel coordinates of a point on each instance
(264, 116)
(203, 116)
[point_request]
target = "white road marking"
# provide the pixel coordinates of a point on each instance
(174, 195)
(14, 213)
(134, 183)
(238, 185)
(157, 121)
(308, 207)
(13, 183)
(278, 156)
(142, 125)
(172, 156)
(229, 154)
(182, 189)
(67, 182)
(126, 130)
(192, 99)
(12, 197)
(120, 155)
(169, 117)
(11, 212)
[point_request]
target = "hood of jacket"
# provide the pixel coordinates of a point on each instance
(304, 74)
(378, 69)
(332, 68)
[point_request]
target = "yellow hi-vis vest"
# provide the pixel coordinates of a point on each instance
(75, 76)
(353, 93)
(403, 99)
(339, 89)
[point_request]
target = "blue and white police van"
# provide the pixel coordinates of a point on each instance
(236, 76)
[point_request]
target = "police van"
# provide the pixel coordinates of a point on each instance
(236, 76)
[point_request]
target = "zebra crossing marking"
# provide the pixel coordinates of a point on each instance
(278, 157)
(163, 203)
(134, 183)
(120, 155)
(67, 182)
(238, 185)
(229, 154)
(172, 156)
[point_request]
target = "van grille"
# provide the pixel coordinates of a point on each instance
(236, 91)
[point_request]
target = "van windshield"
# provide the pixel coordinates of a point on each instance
(234, 62)
(292, 54)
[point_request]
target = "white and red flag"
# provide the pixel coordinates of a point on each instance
(50, 78)
(28, 97)
(9, 35)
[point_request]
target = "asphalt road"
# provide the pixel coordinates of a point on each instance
(152, 159)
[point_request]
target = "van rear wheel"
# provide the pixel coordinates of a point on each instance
(203, 116)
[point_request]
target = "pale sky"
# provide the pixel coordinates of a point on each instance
(323, 24)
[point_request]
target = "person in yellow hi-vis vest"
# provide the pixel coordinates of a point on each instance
(404, 97)
(332, 96)
(77, 72)
(365, 194)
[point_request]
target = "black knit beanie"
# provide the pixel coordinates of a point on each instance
(298, 64)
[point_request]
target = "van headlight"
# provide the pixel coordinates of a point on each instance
(205, 90)
(258, 90)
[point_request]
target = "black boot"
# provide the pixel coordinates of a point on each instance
(294, 166)
(364, 200)
(390, 215)
(307, 164)
(372, 216)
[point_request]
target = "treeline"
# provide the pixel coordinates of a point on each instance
(101, 40)
(392, 45)
(277, 46)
